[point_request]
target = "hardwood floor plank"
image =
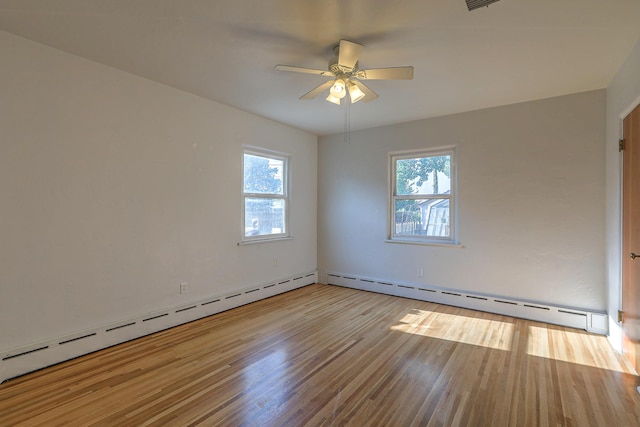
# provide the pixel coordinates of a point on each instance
(325, 356)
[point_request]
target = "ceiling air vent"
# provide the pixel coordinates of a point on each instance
(475, 4)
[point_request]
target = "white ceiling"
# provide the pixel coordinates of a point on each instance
(225, 50)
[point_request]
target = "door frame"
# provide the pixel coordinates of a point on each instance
(621, 117)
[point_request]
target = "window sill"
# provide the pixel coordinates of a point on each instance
(265, 240)
(426, 243)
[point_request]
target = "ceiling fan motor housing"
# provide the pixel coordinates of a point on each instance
(340, 70)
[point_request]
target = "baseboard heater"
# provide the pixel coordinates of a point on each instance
(19, 361)
(591, 321)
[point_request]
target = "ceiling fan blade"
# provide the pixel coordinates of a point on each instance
(391, 73)
(369, 95)
(303, 70)
(348, 54)
(317, 90)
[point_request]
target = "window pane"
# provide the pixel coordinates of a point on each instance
(422, 217)
(423, 175)
(263, 175)
(263, 216)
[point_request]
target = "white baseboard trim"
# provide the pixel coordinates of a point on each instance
(19, 361)
(591, 321)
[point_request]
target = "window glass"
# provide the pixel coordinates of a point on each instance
(263, 216)
(263, 175)
(423, 175)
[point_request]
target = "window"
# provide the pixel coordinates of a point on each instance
(422, 196)
(265, 199)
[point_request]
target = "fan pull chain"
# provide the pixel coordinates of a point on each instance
(347, 122)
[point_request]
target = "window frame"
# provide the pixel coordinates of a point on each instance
(392, 237)
(274, 155)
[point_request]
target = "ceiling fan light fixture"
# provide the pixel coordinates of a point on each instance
(333, 99)
(338, 89)
(355, 93)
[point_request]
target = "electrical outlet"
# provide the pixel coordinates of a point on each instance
(183, 288)
(420, 272)
(275, 262)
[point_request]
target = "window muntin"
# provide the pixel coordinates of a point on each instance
(422, 196)
(265, 203)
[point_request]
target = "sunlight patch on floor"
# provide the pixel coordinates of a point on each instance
(467, 330)
(576, 347)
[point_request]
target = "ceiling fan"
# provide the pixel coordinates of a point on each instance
(346, 76)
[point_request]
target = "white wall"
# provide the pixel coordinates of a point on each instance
(530, 198)
(623, 94)
(114, 189)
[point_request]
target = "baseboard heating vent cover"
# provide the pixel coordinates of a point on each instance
(591, 321)
(77, 339)
(499, 301)
(186, 308)
(155, 317)
(115, 328)
(18, 361)
(24, 353)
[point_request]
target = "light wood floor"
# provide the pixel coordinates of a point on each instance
(324, 355)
